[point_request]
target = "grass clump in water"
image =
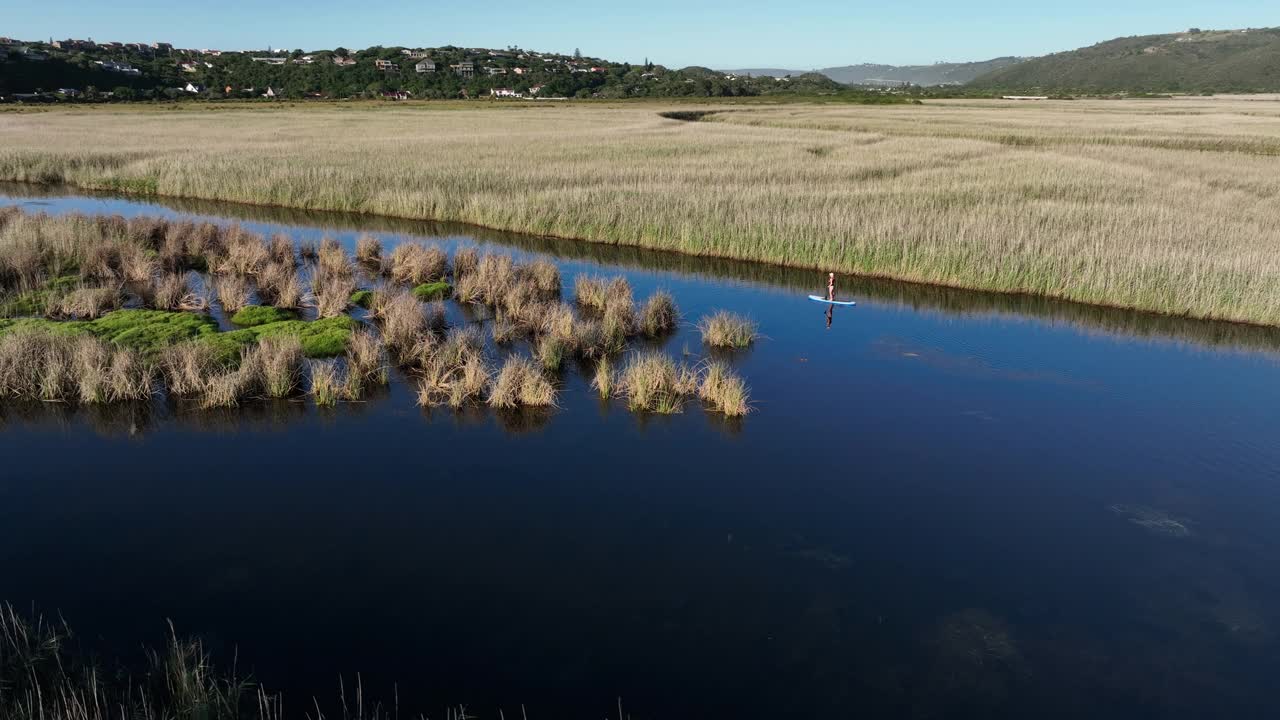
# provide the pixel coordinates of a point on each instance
(723, 390)
(255, 315)
(438, 290)
(278, 364)
(520, 383)
(659, 315)
(724, 329)
(605, 381)
(327, 387)
(652, 382)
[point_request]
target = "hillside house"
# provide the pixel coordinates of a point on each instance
(341, 61)
(397, 95)
(504, 93)
(270, 60)
(425, 66)
(69, 93)
(496, 71)
(386, 66)
(466, 69)
(536, 89)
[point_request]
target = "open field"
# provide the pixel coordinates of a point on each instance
(1162, 205)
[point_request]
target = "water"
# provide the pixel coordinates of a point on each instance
(946, 504)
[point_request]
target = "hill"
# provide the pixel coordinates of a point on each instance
(923, 75)
(84, 70)
(873, 74)
(1192, 61)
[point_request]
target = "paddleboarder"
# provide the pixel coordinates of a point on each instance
(831, 286)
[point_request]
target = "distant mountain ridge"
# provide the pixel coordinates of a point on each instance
(1191, 61)
(923, 75)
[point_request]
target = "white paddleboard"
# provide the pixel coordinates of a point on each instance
(820, 299)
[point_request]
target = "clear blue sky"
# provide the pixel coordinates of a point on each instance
(797, 34)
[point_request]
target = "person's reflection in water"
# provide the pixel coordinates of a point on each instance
(830, 312)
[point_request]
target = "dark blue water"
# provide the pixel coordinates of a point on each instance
(947, 504)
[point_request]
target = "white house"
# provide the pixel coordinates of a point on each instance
(425, 66)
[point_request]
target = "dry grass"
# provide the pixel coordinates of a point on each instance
(278, 364)
(188, 368)
(87, 303)
(414, 263)
(369, 250)
(605, 380)
(590, 292)
(232, 291)
(1162, 205)
(545, 277)
(653, 382)
(723, 329)
(327, 385)
(452, 372)
(659, 315)
(279, 284)
(465, 262)
(173, 292)
(723, 390)
(520, 383)
(62, 368)
(402, 319)
(332, 292)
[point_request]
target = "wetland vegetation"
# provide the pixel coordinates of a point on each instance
(1165, 206)
(104, 309)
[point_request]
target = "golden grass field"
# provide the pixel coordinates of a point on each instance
(1164, 205)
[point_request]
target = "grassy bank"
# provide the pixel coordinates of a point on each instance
(1163, 205)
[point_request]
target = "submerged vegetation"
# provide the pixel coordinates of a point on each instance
(105, 309)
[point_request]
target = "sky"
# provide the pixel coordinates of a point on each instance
(792, 34)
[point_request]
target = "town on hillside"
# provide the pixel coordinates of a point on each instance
(86, 71)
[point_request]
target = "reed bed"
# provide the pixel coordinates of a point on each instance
(1094, 201)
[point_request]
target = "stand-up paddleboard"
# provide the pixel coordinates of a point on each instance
(817, 298)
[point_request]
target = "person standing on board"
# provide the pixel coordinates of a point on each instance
(831, 287)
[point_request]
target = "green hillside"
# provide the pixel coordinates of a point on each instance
(1192, 61)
